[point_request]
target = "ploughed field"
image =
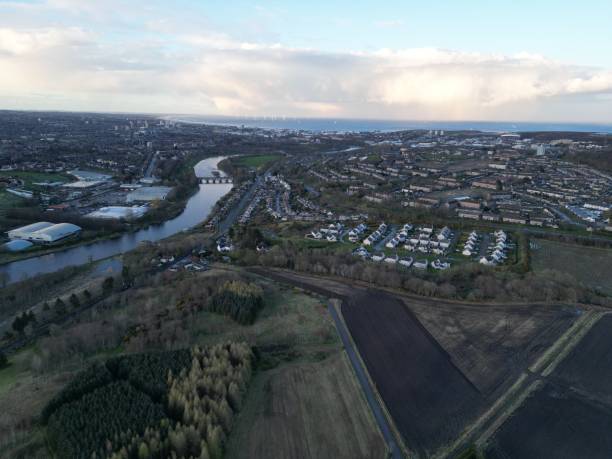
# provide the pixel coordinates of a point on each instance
(428, 397)
(570, 415)
(493, 344)
(555, 423)
(588, 368)
(440, 366)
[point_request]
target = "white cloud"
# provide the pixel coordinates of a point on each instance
(28, 41)
(209, 72)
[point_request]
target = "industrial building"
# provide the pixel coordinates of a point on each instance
(149, 193)
(17, 245)
(88, 176)
(119, 212)
(25, 231)
(44, 232)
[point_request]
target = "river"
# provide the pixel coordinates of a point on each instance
(196, 211)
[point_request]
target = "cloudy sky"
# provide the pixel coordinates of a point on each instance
(454, 60)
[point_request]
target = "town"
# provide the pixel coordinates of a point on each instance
(152, 237)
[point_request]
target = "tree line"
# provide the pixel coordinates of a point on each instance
(472, 282)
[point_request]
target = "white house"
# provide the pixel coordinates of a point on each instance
(421, 264)
(406, 262)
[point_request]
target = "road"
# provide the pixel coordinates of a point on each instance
(367, 388)
(238, 209)
(553, 208)
(391, 232)
(151, 166)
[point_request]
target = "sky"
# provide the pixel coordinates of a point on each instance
(537, 60)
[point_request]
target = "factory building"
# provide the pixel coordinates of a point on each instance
(17, 245)
(119, 212)
(45, 232)
(25, 231)
(149, 193)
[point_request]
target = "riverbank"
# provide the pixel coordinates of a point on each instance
(197, 208)
(39, 251)
(164, 211)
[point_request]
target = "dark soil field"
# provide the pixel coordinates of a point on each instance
(429, 399)
(557, 424)
(493, 344)
(588, 367)
(439, 366)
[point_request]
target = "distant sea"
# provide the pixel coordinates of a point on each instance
(357, 125)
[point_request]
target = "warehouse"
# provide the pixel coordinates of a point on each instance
(55, 233)
(45, 232)
(17, 245)
(24, 232)
(149, 193)
(119, 212)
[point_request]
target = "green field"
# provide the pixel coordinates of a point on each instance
(257, 161)
(289, 318)
(30, 177)
(588, 265)
(8, 201)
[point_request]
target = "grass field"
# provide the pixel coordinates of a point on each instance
(23, 393)
(8, 201)
(36, 177)
(306, 410)
(257, 161)
(289, 319)
(304, 401)
(588, 265)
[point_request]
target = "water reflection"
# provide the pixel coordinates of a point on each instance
(197, 209)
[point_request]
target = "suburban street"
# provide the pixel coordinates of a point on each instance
(237, 210)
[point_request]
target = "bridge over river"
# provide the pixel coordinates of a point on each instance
(216, 179)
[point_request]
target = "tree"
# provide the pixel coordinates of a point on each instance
(108, 284)
(143, 451)
(60, 307)
(87, 295)
(21, 321)
(126, 276)
(3, 360)
(215, 442)
(74, 301)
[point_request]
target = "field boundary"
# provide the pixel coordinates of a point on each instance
(398, 437)
(464, 439)
(279, 273)
(527, 383)
(549, 360)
